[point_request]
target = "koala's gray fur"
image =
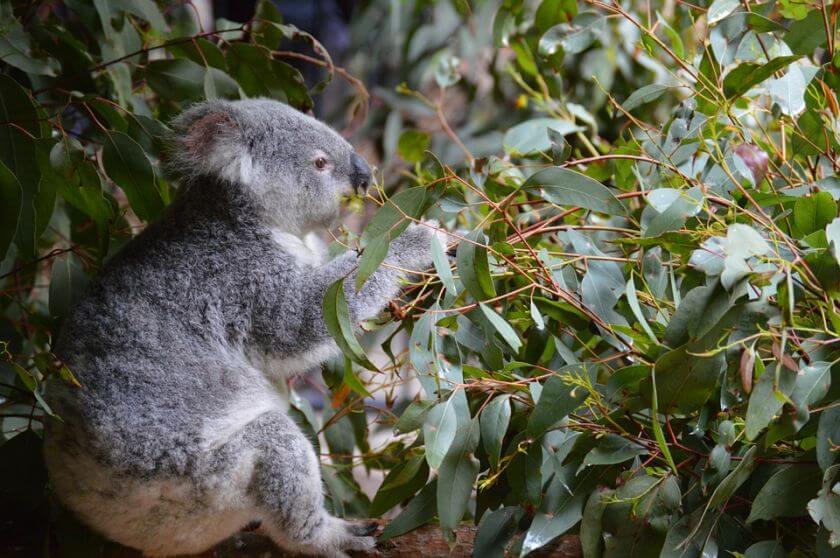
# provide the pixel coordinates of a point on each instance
(178, 436)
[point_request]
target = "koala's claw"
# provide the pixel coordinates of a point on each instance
(362, 543)
(363, 529)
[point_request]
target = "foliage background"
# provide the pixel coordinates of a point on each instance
(638, 339)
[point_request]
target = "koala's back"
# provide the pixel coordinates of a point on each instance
(156, 340)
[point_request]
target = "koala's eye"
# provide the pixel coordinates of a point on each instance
(320, 163)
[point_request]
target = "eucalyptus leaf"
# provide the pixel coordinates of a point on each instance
(11, 193)
(644, 95)
(128, 166)
(746, 75)
(441, 426)
(337, 320)
(457, 475)
(571, 188)
(419, 511)
(494, 421)
(67, 284)
(557, 400)
(473, 266)
(532, 136)
(786, 493)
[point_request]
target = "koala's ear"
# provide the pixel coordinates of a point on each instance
(209, 141)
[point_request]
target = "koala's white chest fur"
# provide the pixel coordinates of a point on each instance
(308, 251)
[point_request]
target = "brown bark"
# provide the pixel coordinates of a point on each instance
(427, 542)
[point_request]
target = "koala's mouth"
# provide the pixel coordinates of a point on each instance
(353, 202)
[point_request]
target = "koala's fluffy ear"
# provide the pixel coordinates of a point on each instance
(209, 141)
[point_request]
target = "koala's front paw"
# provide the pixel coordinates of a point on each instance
(413, 248)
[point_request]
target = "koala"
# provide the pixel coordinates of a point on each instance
(178, 436)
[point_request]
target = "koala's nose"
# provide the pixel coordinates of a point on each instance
(360, 175)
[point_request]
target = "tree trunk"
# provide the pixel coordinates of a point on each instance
(426, 542)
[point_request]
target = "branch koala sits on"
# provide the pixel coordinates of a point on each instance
(178, 437)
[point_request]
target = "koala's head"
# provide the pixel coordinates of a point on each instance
(292, 166)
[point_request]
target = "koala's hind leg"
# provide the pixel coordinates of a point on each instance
(286, 486)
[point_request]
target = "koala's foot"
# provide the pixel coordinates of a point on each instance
(349, 535)
(333, 538)
(286, 486)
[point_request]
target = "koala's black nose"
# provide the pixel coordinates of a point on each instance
(360, 175)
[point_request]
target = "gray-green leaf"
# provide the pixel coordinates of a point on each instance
(571, 188)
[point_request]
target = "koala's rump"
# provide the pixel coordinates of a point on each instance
(150, 459)
(160, 515)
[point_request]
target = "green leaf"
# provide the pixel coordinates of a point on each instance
(786, 493)
(260, 75)
(674, 216)
(764, 404)
(373, 255)
(443, 269)
(19, 152)
(10, 209)
(202, 52)
(442, 425)
(494, 421)
(813, 213)
(657, 427)
(67, 283)
(531, 136)
(825, 508)
(613, 449)
(573, 37)
(419, 511)
(217, 84)
(552, 12)
(495, 530)
(806, 35)
(414, 416)
(720, 9)
(401, 483)
(126, 164)
(524, 471)
(643, 95)
(457, 475)
(352, 381)
(684, 381)
(557, 400)
(686, 538)
(473, 267)
(697, 313)
(633, 301)
(547, 527)
(16, 50)
(177, 79)
(571, 188)
(268, 35)
(832, 235)
(412, 145)
(337, 320)
(828, 437)
(812, 384)
(726, 489)
(766, 549)
(562, 507)
(591, 526)
(744, 76)
(502, 327)
(390, 222)
(676, 41)
(145, 9)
